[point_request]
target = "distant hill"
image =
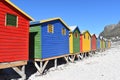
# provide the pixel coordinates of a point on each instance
(111, 32)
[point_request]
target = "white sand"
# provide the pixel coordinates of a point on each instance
(101, 66)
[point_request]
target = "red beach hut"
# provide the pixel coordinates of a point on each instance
(93, 42)
(14, 33)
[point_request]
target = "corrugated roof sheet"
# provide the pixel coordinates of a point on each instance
(73, 28)
(51, 19)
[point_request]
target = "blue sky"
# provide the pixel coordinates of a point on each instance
(91, 15)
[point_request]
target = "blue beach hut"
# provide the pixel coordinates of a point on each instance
(49, 38)
(98, 43)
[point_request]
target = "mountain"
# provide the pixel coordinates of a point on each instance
(111, 31)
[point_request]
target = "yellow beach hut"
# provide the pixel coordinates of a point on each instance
(86, 39)
(109, 44)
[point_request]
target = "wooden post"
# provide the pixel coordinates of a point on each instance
(66, 58)
(42, 67)
(72, 58)
(21, 72)
(81, 56)
(37, 66)
(41, 64)
(55, 63)
(78, 56)
(84, 55)
(90, 54)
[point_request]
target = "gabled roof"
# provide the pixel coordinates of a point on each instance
(94, 35)
(14, 6)
(86, 32)
(97, 36)
(102, 39)
(73, 28)
(48, 20)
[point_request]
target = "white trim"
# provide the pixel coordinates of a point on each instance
(51, 27)
(57, 18)
(5, 19)
(63, 31)
(17, 22)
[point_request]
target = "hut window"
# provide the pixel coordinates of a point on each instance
(84, 36)
(50, 28)
(63, 31)
(88, 37)
(11, 20)
(76, 35)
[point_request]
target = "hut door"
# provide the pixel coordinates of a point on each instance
(81, 44)
(32, 44)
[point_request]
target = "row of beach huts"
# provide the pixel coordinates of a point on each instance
(41, 41)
